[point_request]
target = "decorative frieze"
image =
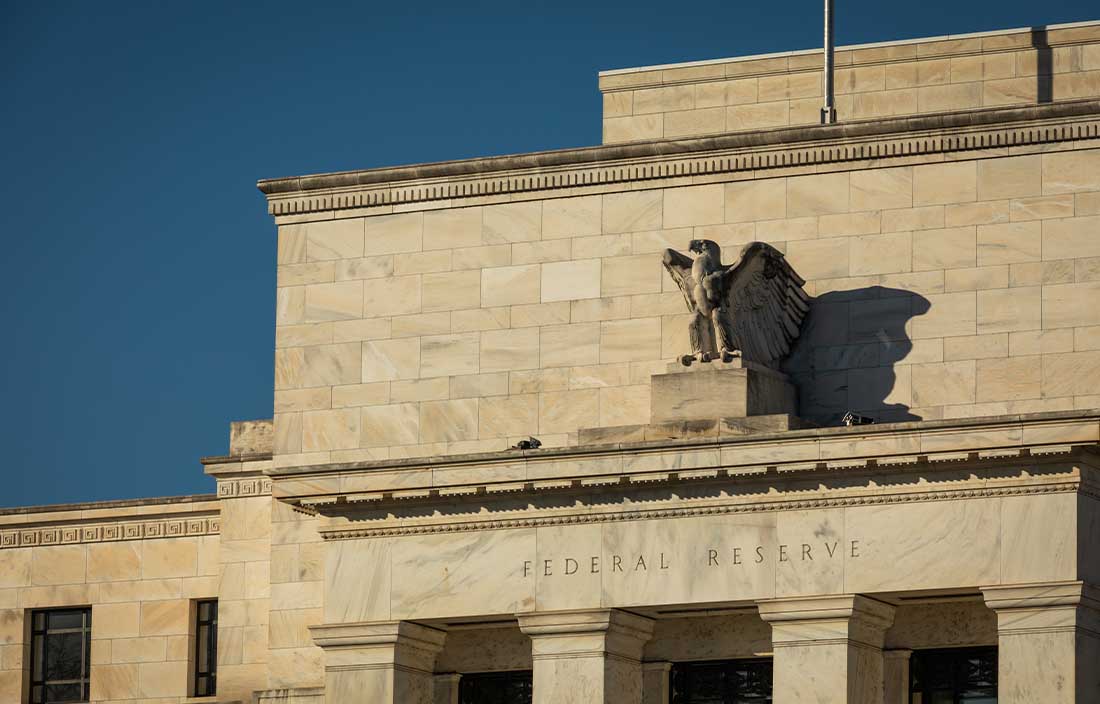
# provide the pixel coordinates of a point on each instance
(243, 488)
(38, 536)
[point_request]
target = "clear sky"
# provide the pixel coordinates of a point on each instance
(138, 280)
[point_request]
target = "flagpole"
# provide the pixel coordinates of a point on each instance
(828, 112)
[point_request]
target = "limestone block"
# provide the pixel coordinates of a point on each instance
(881, 189)
(623, 276)
(288, 433)
(1086, 204)
(868, 223)
(114, 682)
(479, 385)
(980, 213)
(390, 234)
(508, 416)
(705, 391)
(694, 205)
(478, 319)
(510, 285)
(820, 258)
(313, 399)
(393, 424)
(332, 239)
(480, 257)
(566, 281)
(925, 218)
(396, 295)
(756, 200)
(944, 383)
(420, 324)
(449, 421)
(360, 395)
(949, 98)
(506, 350)
(451, 290)
(511, 222)
(572, 217)
(949, 182)
(566, 411)
(15, 567)
(303, 274)
(160, 618)
(1010, 177)
(58, 565)
(570, 345)
(544, 251)
(1042, 207)
(1066, 374)
(690, 123)
(164, 679)
(819, 194)
(117, 620)
(335, 301)
(1062, 305)
(618, 104)
(633, 128)
(976, 279)
(290, 305)
(1071, 172)
(1071, 238)
(630, 340)
(1005, 310)
(632, 211)
(624, 405)
(364, 268)
(291, 247)
(756, 116)
(330, 430)
(881, 254)
(535, 380)
(356, 330)
(1009, 379)
(421, 262)
(602, 246)
(451, 228)
(388, 360)
(446, 355)
(112, 562)
(884, 104)
(1009, 243)
(303, 335)
(949, 248)
(664, 99)
(1034, 342)
(435, 389)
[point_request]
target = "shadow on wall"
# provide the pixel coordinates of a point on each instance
(850, 355)
(1044, 65)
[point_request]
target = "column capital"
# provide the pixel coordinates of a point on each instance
(380, 633)
(1042, 594)
(852, 616)
(617, 632)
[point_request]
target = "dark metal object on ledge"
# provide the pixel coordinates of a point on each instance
(856, 419)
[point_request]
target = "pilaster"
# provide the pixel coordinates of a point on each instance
(895, 676)
(828, 649)
(587, 657)
(1048, 642)
(388, 663)
(655, 682)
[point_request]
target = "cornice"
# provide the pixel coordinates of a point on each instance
(572, 171)
(102, 530)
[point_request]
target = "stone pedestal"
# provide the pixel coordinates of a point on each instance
(1048, 642)
(720, 390)
(383, 663)
(827, 650)
(587, 657)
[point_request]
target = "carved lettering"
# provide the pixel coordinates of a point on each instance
(546, 568)
(759, 554)
(831, 549)
(783, 553)
(570, 561)
(806, 552)
(664, 565)
(640, 564)
(595, 568)
(712, 557)
(526, 567)
(737, 556)
(855, 548)
(616, 563)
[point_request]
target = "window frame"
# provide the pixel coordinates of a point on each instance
(36, 663)
(466, 678)
(204, 675)
(679, 670)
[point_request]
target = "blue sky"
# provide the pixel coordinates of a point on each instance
(138, 289)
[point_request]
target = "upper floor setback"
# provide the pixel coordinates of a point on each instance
(1025, 66)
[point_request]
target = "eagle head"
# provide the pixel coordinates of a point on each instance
(705, 247)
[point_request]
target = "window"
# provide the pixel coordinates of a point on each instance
(61, 653)
(953, 676)
(722, 682)
(206, 647)
(495, 688)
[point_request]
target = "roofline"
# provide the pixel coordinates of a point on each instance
(111, 503)
(847, 47)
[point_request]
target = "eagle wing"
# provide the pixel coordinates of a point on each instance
(679, 268)
(765, 304)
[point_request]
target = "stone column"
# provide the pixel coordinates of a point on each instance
(587, 657)
(446, 688)
(895, 675)
(388, 663)
(828, 649)
(655, 684)
(1048, 642)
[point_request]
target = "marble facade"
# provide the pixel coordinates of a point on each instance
(381, 537)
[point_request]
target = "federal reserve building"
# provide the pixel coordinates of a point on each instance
(788, 391)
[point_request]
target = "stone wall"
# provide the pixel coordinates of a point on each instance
(1017, 67)
(947, 284)
(139, 565)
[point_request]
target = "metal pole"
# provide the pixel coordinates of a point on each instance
(828, 112)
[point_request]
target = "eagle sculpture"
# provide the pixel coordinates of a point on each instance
(752, 308)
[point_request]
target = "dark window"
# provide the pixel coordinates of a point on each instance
(206, 648)
(61, 653)
(495, 688)
(953, 676)
(722, 682)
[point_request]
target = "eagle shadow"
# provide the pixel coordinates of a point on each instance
(852, 355)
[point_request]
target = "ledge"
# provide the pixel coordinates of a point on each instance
(624, 162)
